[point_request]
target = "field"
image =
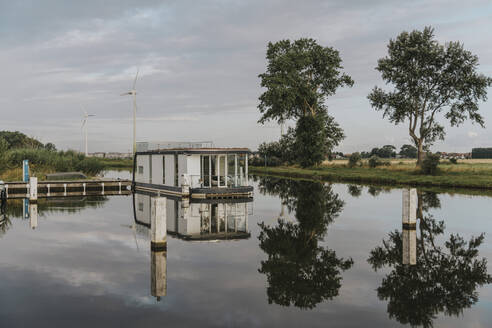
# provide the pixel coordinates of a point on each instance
(471, 173)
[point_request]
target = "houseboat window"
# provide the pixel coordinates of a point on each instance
(205, 170)
(140, 206)
(163, 169)
(140, 169)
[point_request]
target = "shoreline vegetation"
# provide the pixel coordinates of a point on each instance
(11, 174)
(467, 174)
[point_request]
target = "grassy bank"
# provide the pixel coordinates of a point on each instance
(42, 162)
(462, 175)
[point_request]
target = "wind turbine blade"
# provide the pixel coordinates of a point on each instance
(135, 81)
(126, 93)
(91, 115)
(83, 122)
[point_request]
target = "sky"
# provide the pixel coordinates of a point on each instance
(199, 63)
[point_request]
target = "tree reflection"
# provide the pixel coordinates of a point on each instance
(5, 222)
(444, 279)
(354, 190)
(299, 271)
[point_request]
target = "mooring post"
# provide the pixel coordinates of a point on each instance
(158, 246)
(25, 170)
(409, 225)
(33, 189)
(158, 223)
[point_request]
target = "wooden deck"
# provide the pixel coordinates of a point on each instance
(47, 189)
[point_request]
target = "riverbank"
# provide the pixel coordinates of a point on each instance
(457, 176)
(40, 171)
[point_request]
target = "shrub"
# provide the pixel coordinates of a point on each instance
(430, 163)
(453, 161)
(354, 159)
(374, 161)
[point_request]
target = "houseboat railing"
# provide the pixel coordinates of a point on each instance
(214, 181)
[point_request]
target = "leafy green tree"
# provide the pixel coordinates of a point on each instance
(444, 279)
(50, 146)
(408, 151)
(299, 271)
(17, 139)
(354, 159)
(429, 79)
(300, 76)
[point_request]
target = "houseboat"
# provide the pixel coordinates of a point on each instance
(191, 169)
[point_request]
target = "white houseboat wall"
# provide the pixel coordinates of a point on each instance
(200, 220)
(194, 171)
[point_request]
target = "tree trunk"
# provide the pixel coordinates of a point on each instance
(420, 153)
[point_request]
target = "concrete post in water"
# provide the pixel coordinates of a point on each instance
(158, 247)
(409, 225)
(33, 189)
(158, 223)
(33, 218)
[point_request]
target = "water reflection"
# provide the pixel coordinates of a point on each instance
(205, 220)
(5, 222)
(299, 270)
(433, 277)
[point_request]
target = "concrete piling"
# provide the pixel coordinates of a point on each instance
(158, 247)
(158, 224)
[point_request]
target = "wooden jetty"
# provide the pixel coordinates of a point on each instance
(65, 188)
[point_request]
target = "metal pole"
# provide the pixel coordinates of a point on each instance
(134, 121)
(85, 127)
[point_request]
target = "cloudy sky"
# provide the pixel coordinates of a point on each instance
(199, 63)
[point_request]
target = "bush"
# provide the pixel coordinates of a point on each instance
(354, 159)
(374, 161)
(62, 161)
(430, 163)
(453, 161)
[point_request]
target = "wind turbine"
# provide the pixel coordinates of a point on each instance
(84, 125)
(133, 92)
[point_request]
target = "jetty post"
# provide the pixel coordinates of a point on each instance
(158, 247)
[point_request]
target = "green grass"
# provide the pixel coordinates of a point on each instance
(476, 176)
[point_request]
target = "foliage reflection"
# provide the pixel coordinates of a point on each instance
(444, 279)
(299, 270)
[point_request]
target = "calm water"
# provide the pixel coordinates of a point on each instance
(333, 259)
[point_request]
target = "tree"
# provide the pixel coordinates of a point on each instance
(408, 151)
(429, 79)
(50, 146)
(300, 76)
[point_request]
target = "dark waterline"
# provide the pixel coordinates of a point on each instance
(88, 264)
